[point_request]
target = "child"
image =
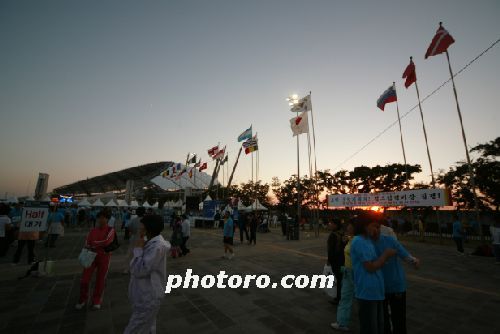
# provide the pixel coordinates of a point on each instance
(148, 276)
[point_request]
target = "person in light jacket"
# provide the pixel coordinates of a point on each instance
(148, 276)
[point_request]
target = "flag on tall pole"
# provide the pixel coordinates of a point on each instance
(213, 150)
(219, 154)
(203, 166)
(439, 44)
(388, 96)
(299, 124)
(409, 74)
(302, 105)
(247, 134)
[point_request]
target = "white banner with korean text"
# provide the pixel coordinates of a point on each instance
(416, 197)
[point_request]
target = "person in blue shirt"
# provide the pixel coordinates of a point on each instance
(228, 236)
(458, 235)
(369, 287)
(394, 282)
(55, 227)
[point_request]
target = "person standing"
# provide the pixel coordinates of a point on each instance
(335, 246)
(148, 276)
(186, 233)
(28, 239)
(217, 219)
(134, 229)
(5, 227)
(253, 229)
(243, 227)
(97, 240)
(394, 282)
(228, 236)
(458, 235)
(56, 227)
(368, 278)
(344, 309)
(495, 239)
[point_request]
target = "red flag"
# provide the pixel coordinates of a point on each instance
(409, 74)
(203, 167)
(440, 43)
(213, 150)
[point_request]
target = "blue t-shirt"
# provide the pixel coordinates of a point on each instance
(367, 285)
(457, 229)
(228, 228)
(394, 274)
(56, 217)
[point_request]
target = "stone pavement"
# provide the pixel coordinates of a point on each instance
(449, 294)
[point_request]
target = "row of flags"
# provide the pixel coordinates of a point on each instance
(177, 170)
(439, 44)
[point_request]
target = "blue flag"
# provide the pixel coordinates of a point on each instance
(247, 134)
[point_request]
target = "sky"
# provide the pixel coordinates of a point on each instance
(91, 87)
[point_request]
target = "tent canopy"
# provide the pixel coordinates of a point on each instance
(134, 204)
(257, 206)
(98, 203)
(146, 205)
(85, 202)
(122, 203)
(111, 203)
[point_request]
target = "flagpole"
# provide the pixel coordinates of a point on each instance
(471, 171)
(315, 166)
(428, 155)
(401, 135)
(234, 167)
(298, 183)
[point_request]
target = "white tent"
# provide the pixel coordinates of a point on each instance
(122, 203)
(85, 202)
(178, 204)
(257, 206)
(156, 205)
(134, 204)
(98, 203)
(111, 203)
(146, 205)
(208, 198)
(13, 199)
(241, 206)
(200, 206)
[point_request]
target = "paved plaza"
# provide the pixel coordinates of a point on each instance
(449, 294)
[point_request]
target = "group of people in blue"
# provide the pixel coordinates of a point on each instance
(366, 258)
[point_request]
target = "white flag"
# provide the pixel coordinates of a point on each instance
(299, 124)
(303, 105)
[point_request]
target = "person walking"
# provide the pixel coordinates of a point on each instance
(56, 227)
(368, 278)
(217, 218)
(458, 235)
(148, 276)
(186, 233)
(344, 309)
(335, 246)
(228, 236)
(97, 240)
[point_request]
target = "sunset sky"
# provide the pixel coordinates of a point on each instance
(92, 87)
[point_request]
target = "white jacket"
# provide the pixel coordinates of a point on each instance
(148, 272)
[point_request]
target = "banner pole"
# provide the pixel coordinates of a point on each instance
(316, 190)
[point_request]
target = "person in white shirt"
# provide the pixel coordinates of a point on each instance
(5, 225)
(148, 277)
(134, 230)
(186, 233)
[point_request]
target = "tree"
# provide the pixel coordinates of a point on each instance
(486, 169)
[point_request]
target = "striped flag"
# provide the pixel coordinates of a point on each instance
(387, 97)
(440, 42)
(304, 104)
(247, 134)
(251, 149)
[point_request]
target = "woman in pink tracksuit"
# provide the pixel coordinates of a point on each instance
(97, 239)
